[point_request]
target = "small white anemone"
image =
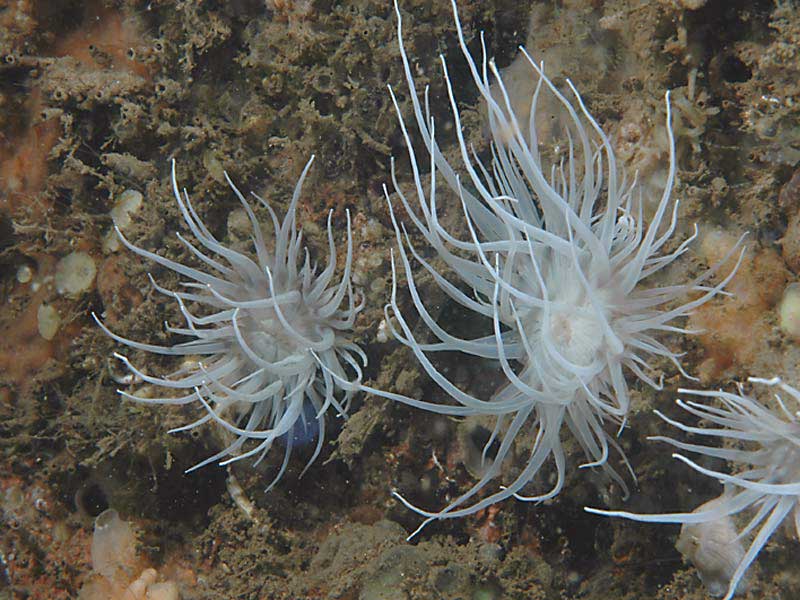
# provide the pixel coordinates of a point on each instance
(554, 258)
(273, 334)
(766, 479)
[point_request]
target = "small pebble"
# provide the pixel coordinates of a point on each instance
(24, 274)
(789, 311)
(75, 273)
(48, 321)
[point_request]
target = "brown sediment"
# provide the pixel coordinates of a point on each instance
(24, 165)
(24, 352)
(107, 40)
(93, 61)
(45, 553)
(116, 292)
(789, 200)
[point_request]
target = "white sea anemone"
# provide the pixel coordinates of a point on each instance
(264, 356)
(553, 257)
(766, 479)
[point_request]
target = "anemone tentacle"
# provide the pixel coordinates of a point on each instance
(766, 476)
(554, 257)
(272, 334)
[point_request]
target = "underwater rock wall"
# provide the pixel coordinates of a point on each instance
(96, 97)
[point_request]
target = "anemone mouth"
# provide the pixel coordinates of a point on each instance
(552, 255)
(577, 333)
(270, 355)
(263, 331)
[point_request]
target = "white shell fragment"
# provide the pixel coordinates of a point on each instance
(75, 274)
(789, 311)
(48, 321)
(128, 203)
(24, 274)
(713, 548)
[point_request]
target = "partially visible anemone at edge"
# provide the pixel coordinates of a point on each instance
(765, 480)
(263, 358)
(553, 260)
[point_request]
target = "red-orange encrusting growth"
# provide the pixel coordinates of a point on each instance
(735, 328)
